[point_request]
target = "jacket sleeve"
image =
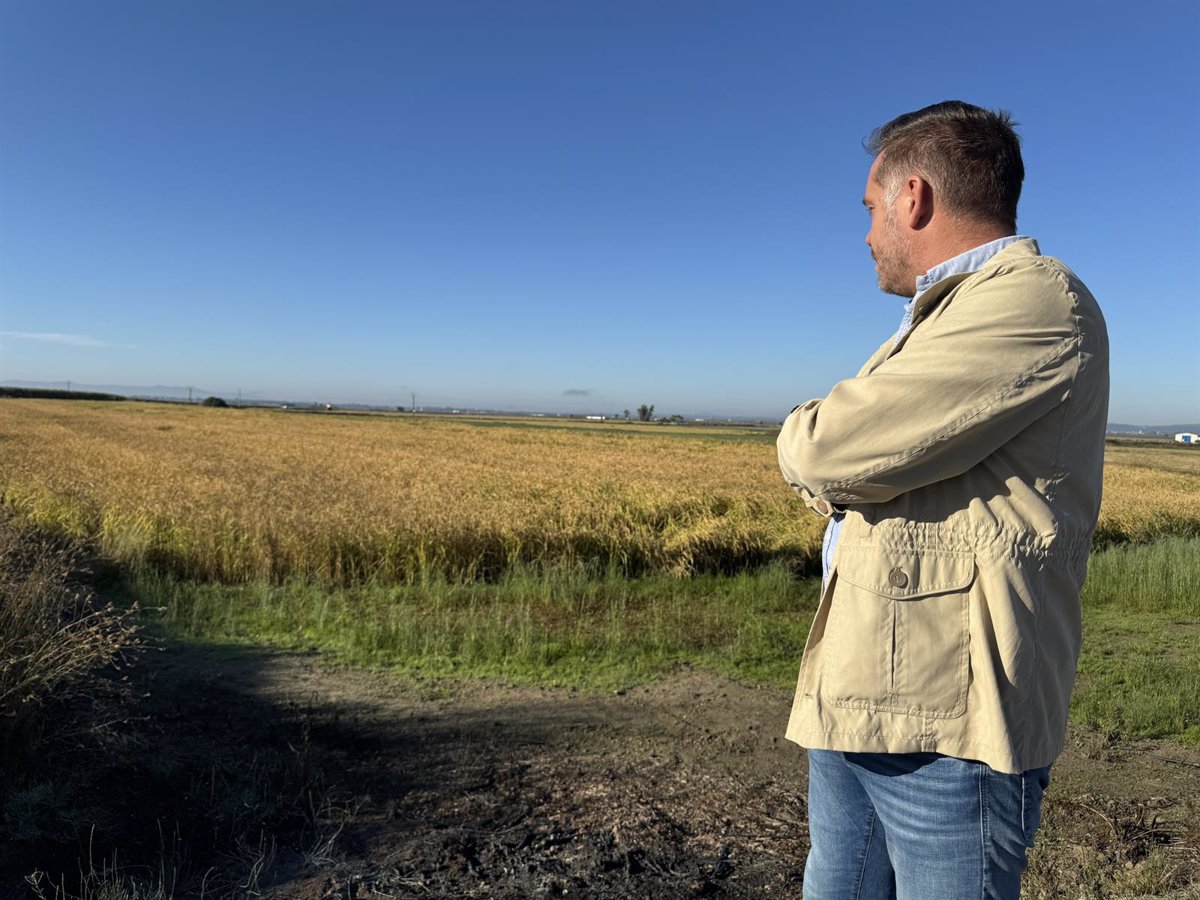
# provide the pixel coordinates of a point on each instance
(1002, 354)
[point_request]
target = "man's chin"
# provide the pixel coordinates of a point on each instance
(908, 291)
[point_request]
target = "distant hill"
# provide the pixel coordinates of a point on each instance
(177, 392)
(155, 391)
(1118, 428)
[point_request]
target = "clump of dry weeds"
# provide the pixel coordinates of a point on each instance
(55, 635)
(1096, 848)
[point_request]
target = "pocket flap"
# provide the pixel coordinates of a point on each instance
(905, 574)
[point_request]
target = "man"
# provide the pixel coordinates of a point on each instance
(960, 472)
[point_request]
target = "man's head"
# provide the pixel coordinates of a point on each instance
(945, 178)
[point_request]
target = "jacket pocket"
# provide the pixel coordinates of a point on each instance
(899, 631)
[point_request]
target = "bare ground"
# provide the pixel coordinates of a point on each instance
(371, 785)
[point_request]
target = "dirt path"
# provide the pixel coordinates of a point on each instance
(676, 789)
(244, 773)
(683, 788)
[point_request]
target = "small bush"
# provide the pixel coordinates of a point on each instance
(55, 635)
(213, 401)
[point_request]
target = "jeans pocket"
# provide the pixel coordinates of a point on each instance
(899, 631)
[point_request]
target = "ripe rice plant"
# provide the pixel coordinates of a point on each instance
(245, 495)
(1151, 490)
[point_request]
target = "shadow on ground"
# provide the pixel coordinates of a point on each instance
(246, 773)
(250, 773)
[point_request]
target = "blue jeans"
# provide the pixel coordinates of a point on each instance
(917, 826)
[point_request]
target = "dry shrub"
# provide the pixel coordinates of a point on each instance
(55, 635)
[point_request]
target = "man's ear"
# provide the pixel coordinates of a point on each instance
(920, 206)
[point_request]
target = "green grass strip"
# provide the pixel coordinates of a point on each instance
(1139, 672)
(558, 627)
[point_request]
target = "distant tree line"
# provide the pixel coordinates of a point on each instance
(56, 394)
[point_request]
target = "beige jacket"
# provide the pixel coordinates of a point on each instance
(968, 460)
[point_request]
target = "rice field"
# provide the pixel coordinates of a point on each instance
(595, 554)
(256, 495)
(245, 495)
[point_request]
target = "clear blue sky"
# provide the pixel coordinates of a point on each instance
(513, 203)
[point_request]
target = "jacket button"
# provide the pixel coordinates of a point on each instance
(897, 578)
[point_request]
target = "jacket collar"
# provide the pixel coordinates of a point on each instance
(936, 293)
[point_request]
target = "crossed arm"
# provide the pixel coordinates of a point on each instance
(962, 386)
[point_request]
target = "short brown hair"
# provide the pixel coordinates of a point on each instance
(971, 156)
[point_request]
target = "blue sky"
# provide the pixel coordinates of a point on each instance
(509, 203)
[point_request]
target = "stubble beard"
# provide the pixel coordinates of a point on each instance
(893, 267)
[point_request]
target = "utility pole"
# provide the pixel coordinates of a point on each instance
(68, 387)
(414, 402)
(189, 393)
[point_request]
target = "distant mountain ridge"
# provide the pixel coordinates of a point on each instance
(176, 392)
(1118, 428)
(128, 390)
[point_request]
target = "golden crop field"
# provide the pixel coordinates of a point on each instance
(245, 494)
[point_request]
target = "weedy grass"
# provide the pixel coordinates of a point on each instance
(1139, 672)
(1138, 669)
(1137, 867)
(564, 626)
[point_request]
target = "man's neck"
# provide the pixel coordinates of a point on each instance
(962, 263)
(960, 238)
